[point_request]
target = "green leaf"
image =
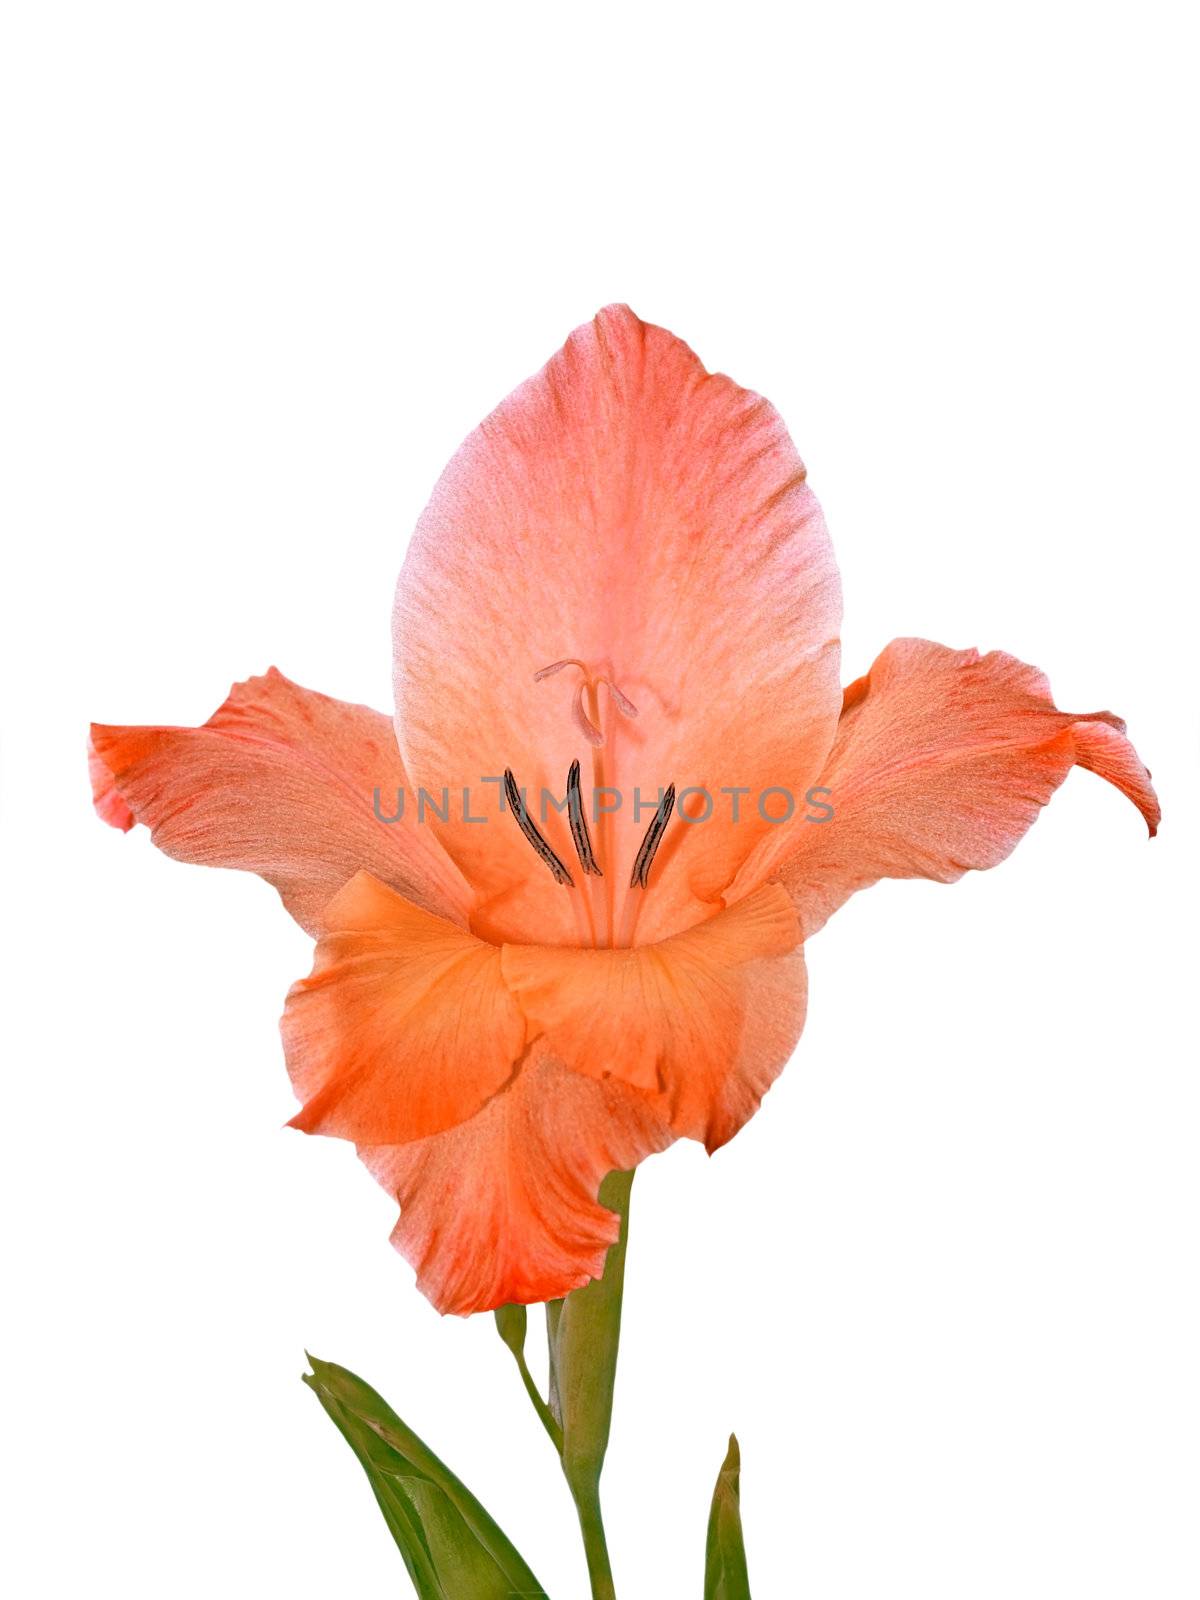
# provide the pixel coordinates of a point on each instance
(451, 1547)
(725, 1576)
(584, 1331)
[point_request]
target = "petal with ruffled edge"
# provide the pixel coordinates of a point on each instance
(109, 806)
(279, 781)
(705, 1020)
(404, 1027)
(629, 509)
(942, 761)
(503, 1209)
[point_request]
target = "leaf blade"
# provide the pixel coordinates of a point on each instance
(449, 1543)
(725, 1574)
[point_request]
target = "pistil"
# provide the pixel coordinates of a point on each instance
(589, 720)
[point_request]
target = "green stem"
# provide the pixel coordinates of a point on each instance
(545, 1415)
(585, 1336)
(591, 1524)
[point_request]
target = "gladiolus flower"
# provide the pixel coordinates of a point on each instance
(622, 593)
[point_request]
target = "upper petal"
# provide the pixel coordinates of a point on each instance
(503, 1209)
(705, 1020)
(942, 761)
(631, 510)
(280, 781)
(404, 1027)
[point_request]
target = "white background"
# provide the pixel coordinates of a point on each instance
(265, 266)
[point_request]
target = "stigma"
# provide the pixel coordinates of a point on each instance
(585, 707)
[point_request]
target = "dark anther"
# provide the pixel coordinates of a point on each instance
(579, 828)
(650, 844)
(531, 831)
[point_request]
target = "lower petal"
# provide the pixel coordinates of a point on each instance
(503, 1209)
(704, 1021)
(404, 1028)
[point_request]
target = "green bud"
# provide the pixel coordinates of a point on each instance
(511, 1322)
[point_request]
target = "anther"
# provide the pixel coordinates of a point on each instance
(531, 831)
(650, 844)
(580, 836)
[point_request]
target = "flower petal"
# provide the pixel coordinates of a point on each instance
(109, 806)
(943, 760)
(503, 1209)
(403, 1029)
(280, 781)
(706, 1019)
(629, 510)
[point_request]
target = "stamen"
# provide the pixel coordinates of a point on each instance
(579, 828)
(531, 831)
(650, 844)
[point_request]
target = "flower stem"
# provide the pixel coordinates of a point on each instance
(585, 1334)
(591, 1524)
(512, 1322)
(545, 1415)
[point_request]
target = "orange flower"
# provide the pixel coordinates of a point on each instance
(622, 594)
